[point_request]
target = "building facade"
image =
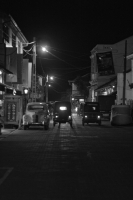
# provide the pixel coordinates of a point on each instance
(107, 61)
(12, 42)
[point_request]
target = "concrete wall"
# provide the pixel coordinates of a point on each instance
(128, 90)
(118, 52)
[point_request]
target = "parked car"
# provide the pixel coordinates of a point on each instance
(62, 113)
(36, 114)
(91, 113)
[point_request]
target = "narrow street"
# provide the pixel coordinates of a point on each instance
(83, 162)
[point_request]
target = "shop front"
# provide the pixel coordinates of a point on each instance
(12, 108)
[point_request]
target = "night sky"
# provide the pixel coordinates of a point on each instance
(70, 29)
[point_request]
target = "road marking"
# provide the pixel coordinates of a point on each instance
(6, 174)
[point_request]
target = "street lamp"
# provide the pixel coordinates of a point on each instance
(34, 72)
(48, 78)
(48, 85)
(44, 49)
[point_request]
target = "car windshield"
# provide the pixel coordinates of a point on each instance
(36, 107)
(91, 108)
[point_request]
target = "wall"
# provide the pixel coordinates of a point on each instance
(128, 90)
(118, 52)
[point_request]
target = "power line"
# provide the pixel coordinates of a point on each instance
(58, 91)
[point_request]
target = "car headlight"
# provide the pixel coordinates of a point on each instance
(85, 116)
(98, 116)
(69, 117)
(56, 116)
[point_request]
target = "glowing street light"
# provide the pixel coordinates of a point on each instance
(51, 78)
(44, 49)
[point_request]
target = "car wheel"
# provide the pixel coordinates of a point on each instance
(46, 127)
(25, 127)
(99, 123)
(112, 124)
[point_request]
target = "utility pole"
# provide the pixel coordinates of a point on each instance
(47, 89)
(124, 73)
(34, 73)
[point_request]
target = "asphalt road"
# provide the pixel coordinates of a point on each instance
(83, 162)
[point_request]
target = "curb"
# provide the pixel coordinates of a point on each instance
(6, 131)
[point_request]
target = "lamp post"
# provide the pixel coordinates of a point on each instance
(47, 89)
(124, 73)
(48, 85)
(44, 49)
(34, 72)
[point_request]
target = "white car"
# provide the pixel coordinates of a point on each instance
(37, 114)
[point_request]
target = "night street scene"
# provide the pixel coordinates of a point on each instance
(66, 100)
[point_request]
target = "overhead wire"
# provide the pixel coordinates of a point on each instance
(58, 91)
(42, 67)
(28, 53)
(75, 71)
(70, 55)
(29, 49)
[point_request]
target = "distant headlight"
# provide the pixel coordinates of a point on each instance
(56, 116)
(69, 117)
(85, 116)
(98, 116)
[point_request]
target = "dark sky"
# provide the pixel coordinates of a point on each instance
(70, 29)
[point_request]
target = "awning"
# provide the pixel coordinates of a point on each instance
(9, 91)
(5, 70)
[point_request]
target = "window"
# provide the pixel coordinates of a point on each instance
(105, 63)
(13, 40)
(6, 33)
(91, 108)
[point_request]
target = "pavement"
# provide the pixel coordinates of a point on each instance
(6, 131)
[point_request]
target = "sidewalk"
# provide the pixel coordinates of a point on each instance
(6, 131)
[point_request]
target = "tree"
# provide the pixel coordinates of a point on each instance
(82, 86)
